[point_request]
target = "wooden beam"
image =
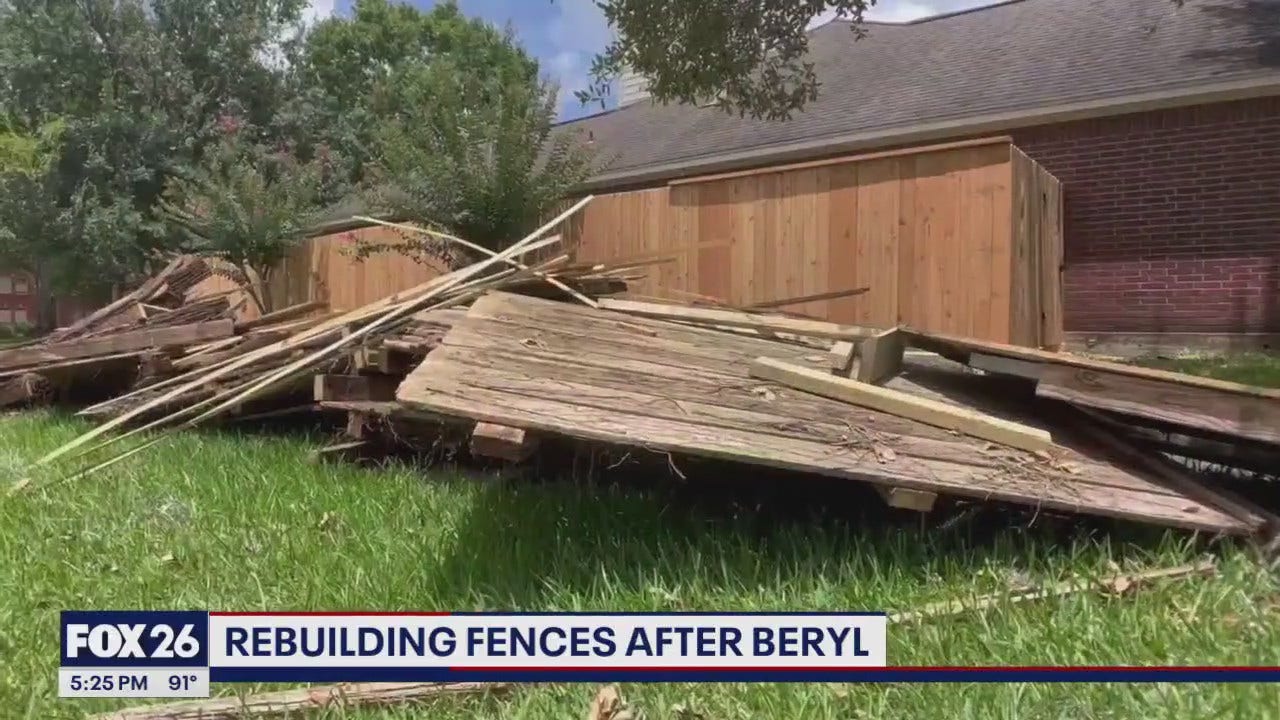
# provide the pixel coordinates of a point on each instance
(841, 358)
(292, 312)
(949, 345)
(902, 404)
(144, 339)
(737, 318)
(502, 442)
(880, 357)
(340, 388)
(1231, 414)
(1000, 365)
(907, 498)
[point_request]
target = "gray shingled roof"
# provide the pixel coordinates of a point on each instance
(1016, 56)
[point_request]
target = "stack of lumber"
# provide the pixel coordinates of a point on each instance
(266, 361)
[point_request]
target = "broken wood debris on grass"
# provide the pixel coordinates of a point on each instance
(1118, 584)
(345, 696)
(521, 347)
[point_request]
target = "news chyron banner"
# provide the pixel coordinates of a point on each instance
(177, 654)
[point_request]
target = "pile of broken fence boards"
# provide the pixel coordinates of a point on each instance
(709, 382)
(229, 384)
(133, 340)
(364, 387)
(132, 350)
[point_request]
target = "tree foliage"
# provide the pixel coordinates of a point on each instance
(475, 155)
(247, 205)
(747, 56)
(220, 126)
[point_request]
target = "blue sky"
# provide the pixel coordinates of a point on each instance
(565, 34)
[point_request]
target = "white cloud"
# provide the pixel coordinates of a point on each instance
(578, 31)
(901, 11)
(317, 10)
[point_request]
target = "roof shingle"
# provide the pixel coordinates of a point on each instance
(1020, 55)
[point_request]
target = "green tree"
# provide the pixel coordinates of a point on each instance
(474, 155)
(143, 88)
(747, 55)
(248, 206)
(348, 72)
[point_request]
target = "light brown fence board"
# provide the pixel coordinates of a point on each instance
(947, 239)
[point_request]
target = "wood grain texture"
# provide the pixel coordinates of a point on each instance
(117, 343)
(929, 231)
(620, 379)
(1185, 406)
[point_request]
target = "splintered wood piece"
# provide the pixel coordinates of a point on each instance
(503, 442)
(842, 356)
(880, 357)
(907, 498)
(21, 389)
(144, 339)
(343, 388)
(738, 318)
(904, 405)
(338, 451)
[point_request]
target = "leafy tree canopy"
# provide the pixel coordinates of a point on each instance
(747, 55)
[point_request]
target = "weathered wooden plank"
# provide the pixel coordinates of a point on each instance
(571, 385)
(338, 388)
(948, 345)
(880, 357)
(737, 318)
(1243, 416)
(612, 426)
(503, 442)
(907, 499)
(898, 403)
(145, 339)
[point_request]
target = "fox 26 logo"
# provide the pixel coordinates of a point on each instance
(134, 639)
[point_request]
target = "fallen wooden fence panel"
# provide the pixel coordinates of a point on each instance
(561, 369)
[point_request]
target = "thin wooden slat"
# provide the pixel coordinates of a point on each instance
(898, 403)
(737, 318)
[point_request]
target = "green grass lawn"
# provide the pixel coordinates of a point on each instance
(1250, 368)
(244, 523)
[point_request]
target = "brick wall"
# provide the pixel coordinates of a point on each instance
(1172, 218)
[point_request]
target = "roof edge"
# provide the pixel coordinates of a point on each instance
(941, 130)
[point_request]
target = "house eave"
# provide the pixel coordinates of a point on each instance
(935, 131)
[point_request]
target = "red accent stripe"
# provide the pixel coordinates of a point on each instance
(330, 613)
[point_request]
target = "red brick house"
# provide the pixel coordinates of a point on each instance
(1162, 122)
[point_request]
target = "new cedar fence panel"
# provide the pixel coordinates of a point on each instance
(963, 239)
(324, 268)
